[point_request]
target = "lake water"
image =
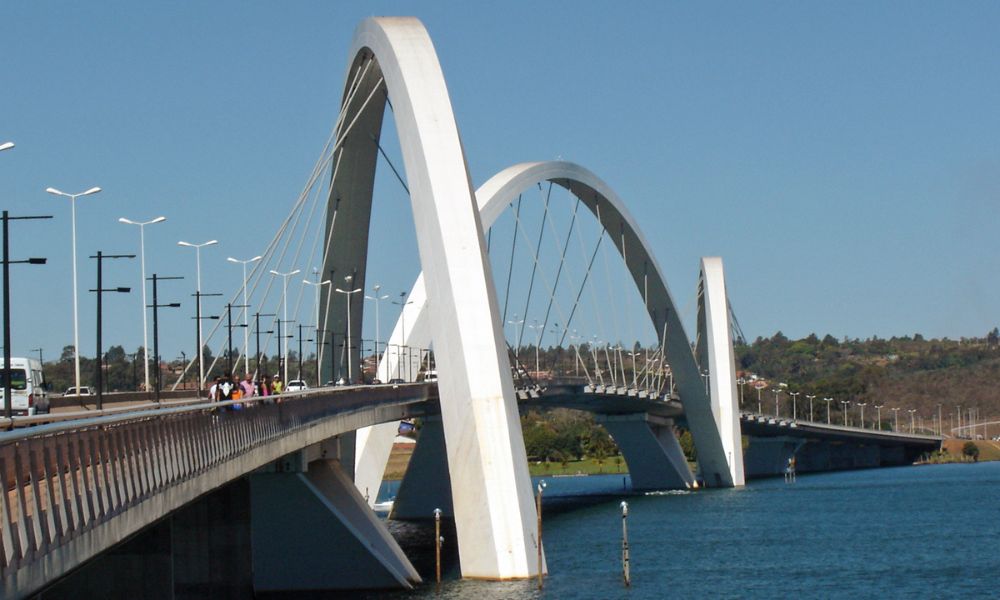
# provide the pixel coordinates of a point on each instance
(890, 533)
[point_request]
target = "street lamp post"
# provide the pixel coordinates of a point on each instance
(257, 332)
(828, 401)
(100, 294)
(911, 411)
(76, 316)
(283, 355)
(811, 398)
(198, 318)
(246, 311)
(378, 300)
(795, 396)
(862, 405)
(517, 334)
(777, 392)
(7, 262)
(895, 416)
(401, 303)
(156, 332)
(348, 293)
(197, 253)
(142, 261)
(635, 381)
(878, 415)
(284, 314)
(845, 404)
(229, 328)
(300, 349)
(319, 358)
(538, 337)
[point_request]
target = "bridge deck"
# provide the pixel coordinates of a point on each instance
(77, 487)
(768, 426)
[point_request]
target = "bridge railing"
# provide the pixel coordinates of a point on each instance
(64, 479)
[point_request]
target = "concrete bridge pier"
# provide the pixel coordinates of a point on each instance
(427, 483)
(313, 530)
(298, 524)
(651, 450)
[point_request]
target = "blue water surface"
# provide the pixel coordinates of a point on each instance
(888, 533)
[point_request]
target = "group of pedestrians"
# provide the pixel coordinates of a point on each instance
(231, 387)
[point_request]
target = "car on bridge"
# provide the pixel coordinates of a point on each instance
(84, 391)
(296, 385)
(28, 390)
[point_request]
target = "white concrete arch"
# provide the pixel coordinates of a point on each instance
(393, 58)
(493, 197)
(715, 355)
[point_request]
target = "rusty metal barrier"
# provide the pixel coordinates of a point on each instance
(63, 479)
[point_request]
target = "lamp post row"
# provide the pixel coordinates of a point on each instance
(99, 290)
(845, 404)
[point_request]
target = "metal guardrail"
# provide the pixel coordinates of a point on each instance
(63, 479)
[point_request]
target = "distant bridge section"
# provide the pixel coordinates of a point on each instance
(819, 447)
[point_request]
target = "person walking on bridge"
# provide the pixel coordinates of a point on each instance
(247, 385)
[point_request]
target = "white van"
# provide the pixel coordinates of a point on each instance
(27, 385)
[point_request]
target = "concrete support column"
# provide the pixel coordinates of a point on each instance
(718, 369)
(313, 531)
(427, 483)
(655, 458)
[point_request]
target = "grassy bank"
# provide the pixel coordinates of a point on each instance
(587, 466)
(952, 451)
(400, 458)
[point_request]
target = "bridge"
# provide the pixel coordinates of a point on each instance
(208, 480)
(78, 486)
(826, 447)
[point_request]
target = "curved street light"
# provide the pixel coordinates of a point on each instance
(201, 342)
(320, 340)
(76, 315)
(348, 279)
(142, 261)
(284, 316)
(246, 311)
(378, 300)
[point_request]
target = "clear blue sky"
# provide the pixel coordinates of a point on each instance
(843, 158)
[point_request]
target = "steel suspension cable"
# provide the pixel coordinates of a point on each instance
(510, 265)
(534, 267)
(562, 262)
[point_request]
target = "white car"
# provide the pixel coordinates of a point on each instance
(296, 385)
(84, 391)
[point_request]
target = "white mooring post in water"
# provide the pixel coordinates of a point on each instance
(625, 558)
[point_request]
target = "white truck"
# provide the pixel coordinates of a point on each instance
(27, 383)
